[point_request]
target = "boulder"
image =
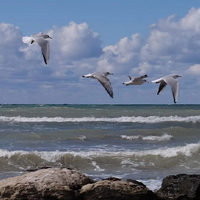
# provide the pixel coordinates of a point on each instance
(180, 187)
(44, 184)
(116, 189)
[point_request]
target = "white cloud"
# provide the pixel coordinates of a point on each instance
(142, 69)
(123, 56)
(194, 70)
(173, 44)
(9, 35)
(75, 42)
(191, 21)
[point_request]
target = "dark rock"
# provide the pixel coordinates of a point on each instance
(136, 182)
(35, 169)
(180, 187)
(112, 179)
(116, 189)
(44, 184)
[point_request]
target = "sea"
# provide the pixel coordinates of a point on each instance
(140, 142)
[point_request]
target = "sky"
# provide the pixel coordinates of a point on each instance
(124, 37)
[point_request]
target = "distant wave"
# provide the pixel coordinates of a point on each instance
(138, 119)
(164, 137)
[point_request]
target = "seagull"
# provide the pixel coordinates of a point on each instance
(136, 80)
(170, 80)
(102, 78)
(42, 41)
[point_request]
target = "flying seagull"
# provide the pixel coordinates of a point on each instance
(170, 80)
(102, 78)
(136, 80)
(42, 41)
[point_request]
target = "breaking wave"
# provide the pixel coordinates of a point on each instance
(123, 119)
(53, 156)
(164, 137)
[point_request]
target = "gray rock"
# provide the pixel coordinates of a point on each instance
(44, 184)
(180, 187)
(116, 189)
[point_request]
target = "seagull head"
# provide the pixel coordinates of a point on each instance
(176, 76)
(47, 36)
(108, 73)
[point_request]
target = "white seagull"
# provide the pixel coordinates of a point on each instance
(170, 80)
(102, 78)
(136, 80)
(42, 41)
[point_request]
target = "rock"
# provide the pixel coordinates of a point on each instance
(116, 189)
(180, 187)
(44, 184)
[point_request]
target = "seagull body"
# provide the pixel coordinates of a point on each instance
(136, 80)
(42, 41)
(169, 80)
(102, 78)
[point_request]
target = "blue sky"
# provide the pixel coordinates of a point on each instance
(123, 18)
(129, 37)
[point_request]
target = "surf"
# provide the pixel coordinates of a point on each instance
(123, 119)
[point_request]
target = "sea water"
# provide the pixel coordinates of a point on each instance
(140, 142)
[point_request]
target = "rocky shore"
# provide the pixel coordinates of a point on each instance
(67, 184)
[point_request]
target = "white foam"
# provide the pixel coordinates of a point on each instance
(187, 150)
(97, 168)
(152, 184)
(123, 119)
(132, 163)
(134, 137)
(164, 137)
(82, 137)
(53, 156)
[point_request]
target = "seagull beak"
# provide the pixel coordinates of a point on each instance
(50, 37)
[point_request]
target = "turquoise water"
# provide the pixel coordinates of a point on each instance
(142, 142)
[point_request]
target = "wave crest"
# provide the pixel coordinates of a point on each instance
(123, 119)
(53, 156)
(101, 160)
(164, 137)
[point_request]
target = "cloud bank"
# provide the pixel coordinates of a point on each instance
(172, 46)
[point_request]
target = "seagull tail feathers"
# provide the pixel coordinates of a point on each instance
(27, 39)
(156, 81)
(126, 83)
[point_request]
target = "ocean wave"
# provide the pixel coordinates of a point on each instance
(53, 156)
(102, 160)
(123, 119)
(164, 137)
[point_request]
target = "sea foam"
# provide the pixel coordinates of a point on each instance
(53, 156)
(123, 119)
(164, 137)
